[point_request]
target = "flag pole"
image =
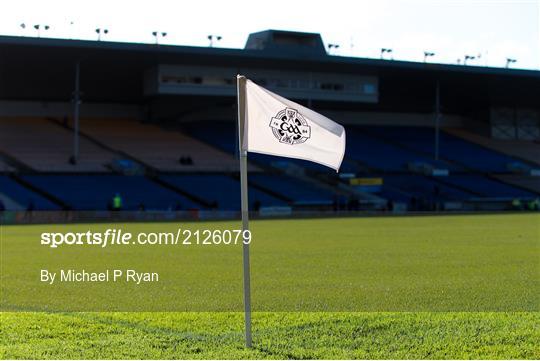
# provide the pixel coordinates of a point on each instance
(241, 98)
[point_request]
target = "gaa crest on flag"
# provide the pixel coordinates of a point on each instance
(290, 127)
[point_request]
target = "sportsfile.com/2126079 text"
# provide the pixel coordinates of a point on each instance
(114, 237)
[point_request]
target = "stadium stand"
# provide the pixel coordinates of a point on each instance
(390, 150)
(185, 151)
(220, 190)
(527, 150)
(453, 149)
(157, 148)
(44, 145)
(17, 197)
(94, 192)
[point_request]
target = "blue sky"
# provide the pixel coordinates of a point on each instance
(490, 30)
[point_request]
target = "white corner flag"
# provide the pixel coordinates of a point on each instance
(277, 126)
(270, 124)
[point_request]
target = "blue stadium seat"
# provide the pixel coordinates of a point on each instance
(221, 189)
(94, 192)
(23, 195)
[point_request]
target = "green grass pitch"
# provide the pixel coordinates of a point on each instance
(392, 287)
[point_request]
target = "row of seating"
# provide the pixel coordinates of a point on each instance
(377, 150)
(174, 192)
(381, 148)
(453, 149)
(46, 145)
(208, 191)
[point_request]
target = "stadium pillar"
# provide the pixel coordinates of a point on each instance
(437, 117)
(241, 98)
(76, 104)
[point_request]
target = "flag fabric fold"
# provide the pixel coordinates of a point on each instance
(277, 126)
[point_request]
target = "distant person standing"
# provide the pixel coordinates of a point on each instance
(117, 202)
